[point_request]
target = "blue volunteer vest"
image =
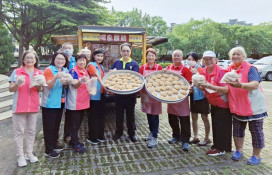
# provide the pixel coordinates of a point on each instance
(198, 94)
(51, 98)
(97, 96)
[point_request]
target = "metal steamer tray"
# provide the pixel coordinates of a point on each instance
(158, 93)
(124, 92)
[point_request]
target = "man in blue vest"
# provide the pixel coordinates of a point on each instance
(68, 49)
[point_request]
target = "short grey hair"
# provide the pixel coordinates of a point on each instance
(66, 44)
(177, 51)
(239, 49)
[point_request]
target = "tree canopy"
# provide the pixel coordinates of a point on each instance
(6, 50)
(33, 22)
(201, 35)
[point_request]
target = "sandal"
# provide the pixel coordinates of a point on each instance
(204, 142)
(194, 141)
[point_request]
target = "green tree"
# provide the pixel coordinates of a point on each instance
(198, 36)
(201, 35)
(34, 21)
(154, 25)
(6, 50)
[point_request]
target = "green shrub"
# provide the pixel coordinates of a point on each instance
(164, 65)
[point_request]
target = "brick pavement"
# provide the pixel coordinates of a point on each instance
(125, 157)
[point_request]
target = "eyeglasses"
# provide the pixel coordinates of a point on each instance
(151, 56)
(61, 59)
(126, 51)
(208, 59)
(29, 58)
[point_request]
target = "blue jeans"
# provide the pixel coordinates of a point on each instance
(153, 122)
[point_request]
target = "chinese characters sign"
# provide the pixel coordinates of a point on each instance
(111, 37)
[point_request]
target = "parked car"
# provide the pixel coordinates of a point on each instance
(223, 63)
(264, 67)
(251, 60)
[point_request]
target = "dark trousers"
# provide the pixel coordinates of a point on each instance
(51, 118)
(180, 126)
(67, 124)
(125, 103)
(96, 118)
(153, 122)
(76, 117)
(222, 128)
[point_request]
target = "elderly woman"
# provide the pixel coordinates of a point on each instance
(179, 113)
(198, 103)
(53, 99)
(125, 102)
(247, 104)
(149, 105)
(25, 107)
(77, 101)
(216, 93)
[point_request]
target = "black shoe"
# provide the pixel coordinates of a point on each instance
(117, 137)
(133, 138)
(58, 147)
(173, 140)
(80, 148)
(52, 154)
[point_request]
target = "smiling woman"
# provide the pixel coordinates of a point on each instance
(249, 108)
(125, 102)
(25, 106)
(53, 98)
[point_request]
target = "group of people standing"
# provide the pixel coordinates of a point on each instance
(231, 105)
(56, 96)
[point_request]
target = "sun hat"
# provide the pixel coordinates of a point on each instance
(209, 54)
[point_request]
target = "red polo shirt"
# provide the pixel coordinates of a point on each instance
(186, 73)
(141, 71)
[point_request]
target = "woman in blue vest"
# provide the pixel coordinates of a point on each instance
(53, 99)
(96, 118)
(198, 103)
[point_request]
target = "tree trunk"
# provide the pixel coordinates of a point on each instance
(21, 51)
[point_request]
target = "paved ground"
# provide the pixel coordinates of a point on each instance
(125, 157)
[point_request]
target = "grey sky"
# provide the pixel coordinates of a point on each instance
(181, 11)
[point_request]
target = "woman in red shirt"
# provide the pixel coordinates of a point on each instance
(150, 106)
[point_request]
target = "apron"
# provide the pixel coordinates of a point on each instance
(153, 106)
(180, 108)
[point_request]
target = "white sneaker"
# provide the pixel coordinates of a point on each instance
(21, 161)
(31, 158)
(153, 143)
(149, 137)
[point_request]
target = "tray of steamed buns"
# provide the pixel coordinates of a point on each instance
(167, 87)
(123, 82)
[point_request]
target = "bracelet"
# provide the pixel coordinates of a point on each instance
(242, 86)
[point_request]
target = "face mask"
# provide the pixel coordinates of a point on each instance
(68, 52)
(191, 63)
